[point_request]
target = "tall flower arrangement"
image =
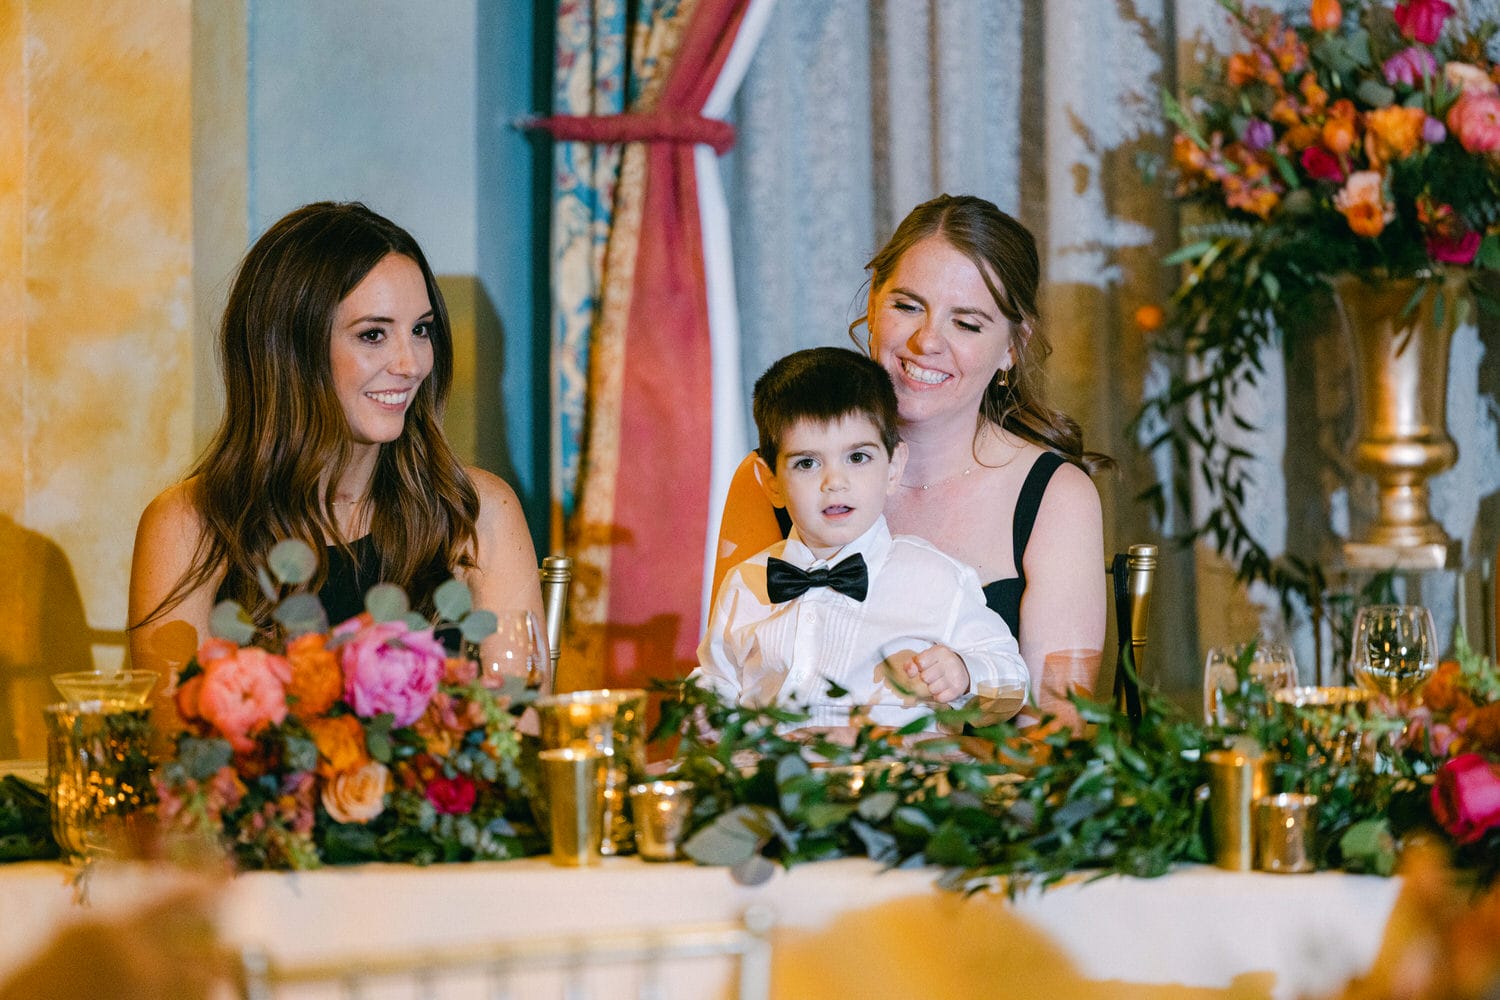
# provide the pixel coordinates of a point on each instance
(1342, 137)
(303, 745)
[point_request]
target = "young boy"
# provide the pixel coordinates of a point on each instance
(842, 600)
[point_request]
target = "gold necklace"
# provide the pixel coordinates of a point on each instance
(938, 482)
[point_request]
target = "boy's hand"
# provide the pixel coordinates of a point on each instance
(942, 670)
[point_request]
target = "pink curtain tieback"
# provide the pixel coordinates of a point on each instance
(667, 126)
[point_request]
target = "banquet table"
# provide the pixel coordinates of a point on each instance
(843, 928)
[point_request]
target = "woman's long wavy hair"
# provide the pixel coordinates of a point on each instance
(284, 442)
(1005, 253)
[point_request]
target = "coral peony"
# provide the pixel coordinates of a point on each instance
(389, 668)
(243, 693)
(1362, 202)
(341, 744)
(1466, 797)
(316, 681)
(357, 796)
(1422, 20)
(454, 795)
(1475, 120)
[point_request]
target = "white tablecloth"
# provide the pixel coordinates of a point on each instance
(843, 928)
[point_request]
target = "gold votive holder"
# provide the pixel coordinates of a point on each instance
(661, 810)
(1285, 826)
(611, 722)
(98, 773)
(1235, 780)
(848, 782)
(574, 779)
(1327, 718)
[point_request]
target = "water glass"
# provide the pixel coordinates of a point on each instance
(1271, 664)
(1394, 650)
(517, 649)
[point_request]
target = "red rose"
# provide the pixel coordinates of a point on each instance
(1321, 165)
(1466, 797)
(454, 795)
(1422, 20)
(1458, 249)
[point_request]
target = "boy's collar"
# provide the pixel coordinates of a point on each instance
(872, 545)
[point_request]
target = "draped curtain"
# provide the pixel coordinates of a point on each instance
(857, 110)
(637, 303)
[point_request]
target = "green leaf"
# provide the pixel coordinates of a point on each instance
(415, 621)
(821, 815)
(478, 625)
(1375, 93)
(878, 805)
(292, 562)
(879, 845)
(1489, 252)
(201, 759)
(1190, 252)
(301, 613)
(754, 870)
(1369, 846)
(301, 753)
(378, 737)
(911, 821)
(229, 621)
(731, 839)
(386, 602)
(452, 600)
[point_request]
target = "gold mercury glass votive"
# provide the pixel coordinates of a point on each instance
(574, 779)
(661, 810)
(1327, 717)
(611, 722)
(98, 772)
(1284, 830)
(1235, 781)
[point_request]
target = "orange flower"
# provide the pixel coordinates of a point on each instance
(1299, 137)
(1338, 130)
(1257, 199)
(1326, 15)
(341, 744)
(1291, 54)
(316, 681)
(1285, 112)
(1149, 317)
(1313, 95)
(1188, 155)
(1483, 731)
(1392, 133)
(1444, 691)
(1242, 69)
(1362, 201)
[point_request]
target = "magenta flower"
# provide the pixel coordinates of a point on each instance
(1321, 165)
(1458, 249)
(1466, 797)
(454, 796)
(1409, 67)
(389, 668)
(1422, 20)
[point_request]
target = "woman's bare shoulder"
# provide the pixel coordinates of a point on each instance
(495, 494)
(1071, 491)
(173, 514)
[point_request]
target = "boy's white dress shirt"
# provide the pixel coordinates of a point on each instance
(757, 652)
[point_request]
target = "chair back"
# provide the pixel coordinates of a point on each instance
(662, 963)
(557, 575)
(1133, 572)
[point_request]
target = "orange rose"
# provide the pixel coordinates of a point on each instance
(1444, 691)
(341, 744)
(1392, 133)
(1300, 137)
(1188, 155)
(1242, 69)
(358, 796)
(1483, 732)
(186, 697)
(1326, 15)
(1338, 130)
(1313, 95)
(316, 679)
(1362, 201)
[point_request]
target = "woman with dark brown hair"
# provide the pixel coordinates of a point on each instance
(994, 476)
(337, 359)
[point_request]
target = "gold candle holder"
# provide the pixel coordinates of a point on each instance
(98, 772)
(611, 722)
(575, 790)
(1235, 781)
(848, 782)
(661, 810)
(1284, 830)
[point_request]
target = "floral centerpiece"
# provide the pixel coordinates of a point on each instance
(305, 746)
(1347, 137)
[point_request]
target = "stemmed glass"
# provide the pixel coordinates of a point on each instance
(1394, 648)
(517, 649)
(1271, 664)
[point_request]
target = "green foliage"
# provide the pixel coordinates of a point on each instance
(25, 828)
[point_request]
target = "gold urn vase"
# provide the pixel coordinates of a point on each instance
(1400, 330)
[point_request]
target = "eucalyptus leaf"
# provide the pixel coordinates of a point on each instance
(878, 805)
(229, 621)
(452, 600)
(301, 613)
(292, 562)
(754, 870)
(878, 844)
(386, 602)
(729, 840)
(415, 621)
(821, 815)
(478, 625)
(203, 758)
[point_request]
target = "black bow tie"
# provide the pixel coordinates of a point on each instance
(785, 581)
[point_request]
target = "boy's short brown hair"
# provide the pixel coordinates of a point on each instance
(822, 384)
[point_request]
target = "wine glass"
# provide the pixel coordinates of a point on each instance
(517, 649)
(1272, 665)
(1394, 648)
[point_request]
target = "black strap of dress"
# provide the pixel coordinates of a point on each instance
(1004, 596)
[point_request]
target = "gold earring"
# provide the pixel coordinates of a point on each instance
(1002, 377)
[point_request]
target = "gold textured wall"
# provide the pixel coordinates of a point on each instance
(96, 306)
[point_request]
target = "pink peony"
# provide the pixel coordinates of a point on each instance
(1458, 249)
(1466, 797)
(454, 795)
(1475, 120)
(1422, 20)
(1321, 165)
(1409, 67)
(389, 668)
(242, 693)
